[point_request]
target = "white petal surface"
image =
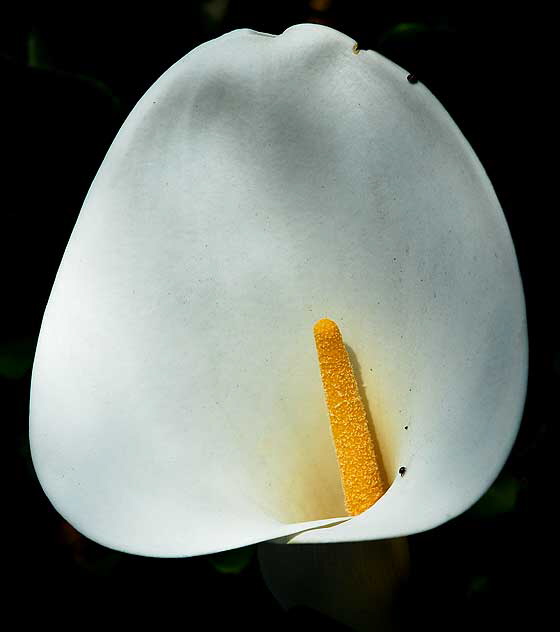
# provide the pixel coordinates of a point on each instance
(263, 183)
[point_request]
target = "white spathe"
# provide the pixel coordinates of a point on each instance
(263, 183)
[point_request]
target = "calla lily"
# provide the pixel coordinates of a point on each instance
(261, 184)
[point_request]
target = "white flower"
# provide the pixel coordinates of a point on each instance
(263, 183)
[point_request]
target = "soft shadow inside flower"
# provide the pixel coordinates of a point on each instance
(343, 481)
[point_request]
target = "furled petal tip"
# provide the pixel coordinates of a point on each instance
(261, 183)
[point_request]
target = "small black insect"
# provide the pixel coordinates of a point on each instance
(412, 79)
(402, 470)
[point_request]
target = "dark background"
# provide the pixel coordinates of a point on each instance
(68, 79)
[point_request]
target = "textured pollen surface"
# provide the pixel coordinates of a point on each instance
(359, 460)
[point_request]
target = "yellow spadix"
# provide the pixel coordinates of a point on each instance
(359, 460)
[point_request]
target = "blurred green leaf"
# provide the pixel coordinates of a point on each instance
(478, 585)
(406, 28)
(16, 357)
(37, 56)
(232, 562)
(499, 499)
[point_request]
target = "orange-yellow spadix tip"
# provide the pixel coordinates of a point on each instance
(359, 460)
